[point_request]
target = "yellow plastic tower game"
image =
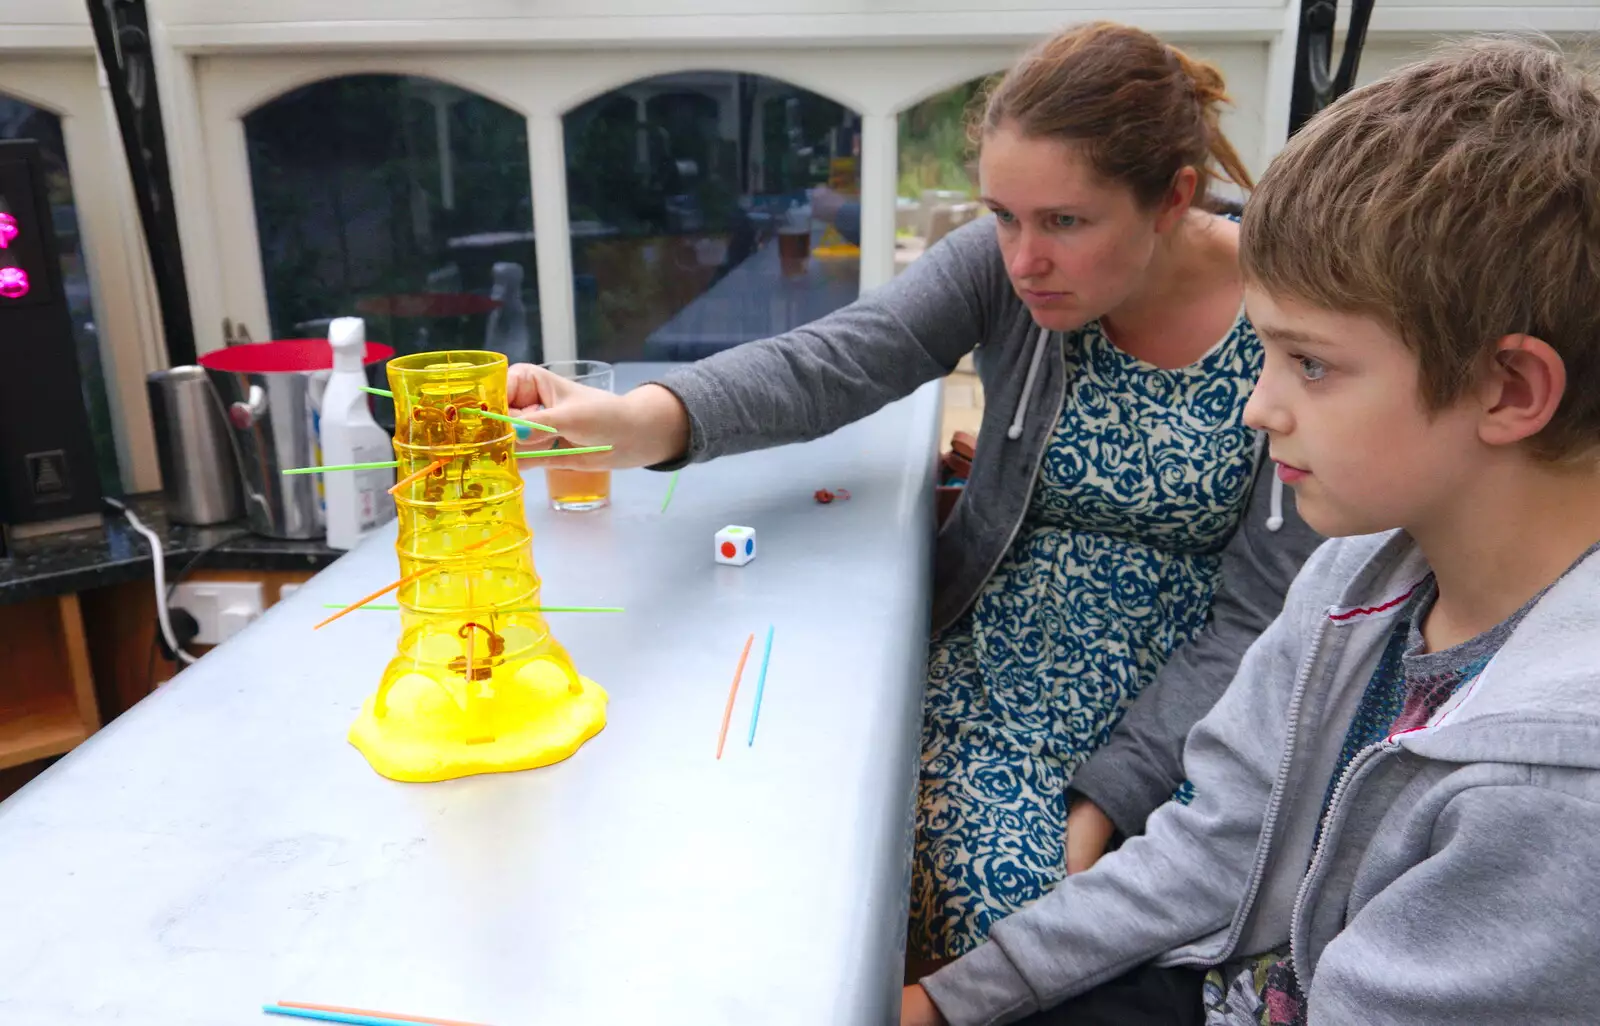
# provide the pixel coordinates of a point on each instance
(479, 685)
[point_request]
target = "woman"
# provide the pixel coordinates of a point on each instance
(1113, 466)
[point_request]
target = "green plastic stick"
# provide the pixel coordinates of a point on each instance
(563, 452)
(390, 607)
(672, 486)
(485, 413)
(513, 420)
(391, 464)
(386, 465)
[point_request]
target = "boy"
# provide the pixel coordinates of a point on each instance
(1396, 814)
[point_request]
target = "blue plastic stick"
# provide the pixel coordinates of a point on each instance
(354, 1020)
(761, 684)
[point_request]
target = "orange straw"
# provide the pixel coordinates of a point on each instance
(727, 714)
(407, 579)
(419, 475)
(376, 1015)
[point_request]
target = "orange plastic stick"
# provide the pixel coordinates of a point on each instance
(376, 1015)
(407, 579)
(419, 475)
(727, 714)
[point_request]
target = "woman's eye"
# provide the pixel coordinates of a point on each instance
(1063, 220)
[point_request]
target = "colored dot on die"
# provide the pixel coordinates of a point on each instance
(728, 551)
(749, 546)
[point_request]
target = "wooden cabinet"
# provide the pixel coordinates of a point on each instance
(69, 663)
(47, 696)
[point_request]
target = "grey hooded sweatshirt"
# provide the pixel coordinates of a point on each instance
(1456, 876)
(956, 299)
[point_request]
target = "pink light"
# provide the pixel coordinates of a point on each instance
(13, 282)
(8, 229)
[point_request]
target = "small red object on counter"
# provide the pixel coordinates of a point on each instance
(823, 496)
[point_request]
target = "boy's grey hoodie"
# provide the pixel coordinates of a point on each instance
(817, 378)
(1457, 874)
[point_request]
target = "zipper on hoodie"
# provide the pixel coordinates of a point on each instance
(1356, 764)
(1274, 804)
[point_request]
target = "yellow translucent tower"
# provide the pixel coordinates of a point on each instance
(479, 685)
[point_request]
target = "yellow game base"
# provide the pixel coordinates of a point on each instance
(424, 734)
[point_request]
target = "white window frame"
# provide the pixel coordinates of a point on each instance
(876, 82)
(542, 62)
(545, 59)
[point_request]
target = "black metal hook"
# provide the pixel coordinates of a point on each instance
(122, 36)
(1316, 84)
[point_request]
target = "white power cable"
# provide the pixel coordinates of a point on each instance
(159, 558)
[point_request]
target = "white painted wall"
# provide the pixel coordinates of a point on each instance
(44, 26)
(796, 23)
(1382, 56)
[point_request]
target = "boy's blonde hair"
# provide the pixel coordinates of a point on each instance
(1457, 201)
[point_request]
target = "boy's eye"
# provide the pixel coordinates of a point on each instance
(1063, 220)
(1313, 370)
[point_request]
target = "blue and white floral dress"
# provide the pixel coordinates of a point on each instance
(1114, 567)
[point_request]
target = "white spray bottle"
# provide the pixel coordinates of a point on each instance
(357, 500)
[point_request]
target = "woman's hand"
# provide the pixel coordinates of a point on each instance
(647, 426)
(1088, 832)
(917, 1009)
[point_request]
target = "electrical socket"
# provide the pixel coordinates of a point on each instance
(222, 608)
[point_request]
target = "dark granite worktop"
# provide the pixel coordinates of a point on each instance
(114, 552)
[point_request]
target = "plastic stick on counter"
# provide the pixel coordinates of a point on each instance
(325, 1016)
(408, 578)
(727, 714)
(419, 475)
(761, 686)
(485, 413)
(672, 486)
(382, 1017)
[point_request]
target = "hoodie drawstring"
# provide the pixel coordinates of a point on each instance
(1275, 517)
(1014, 432)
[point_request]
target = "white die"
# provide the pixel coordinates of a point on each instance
(736, 546)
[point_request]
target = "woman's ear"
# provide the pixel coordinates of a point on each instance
(1178, 200)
